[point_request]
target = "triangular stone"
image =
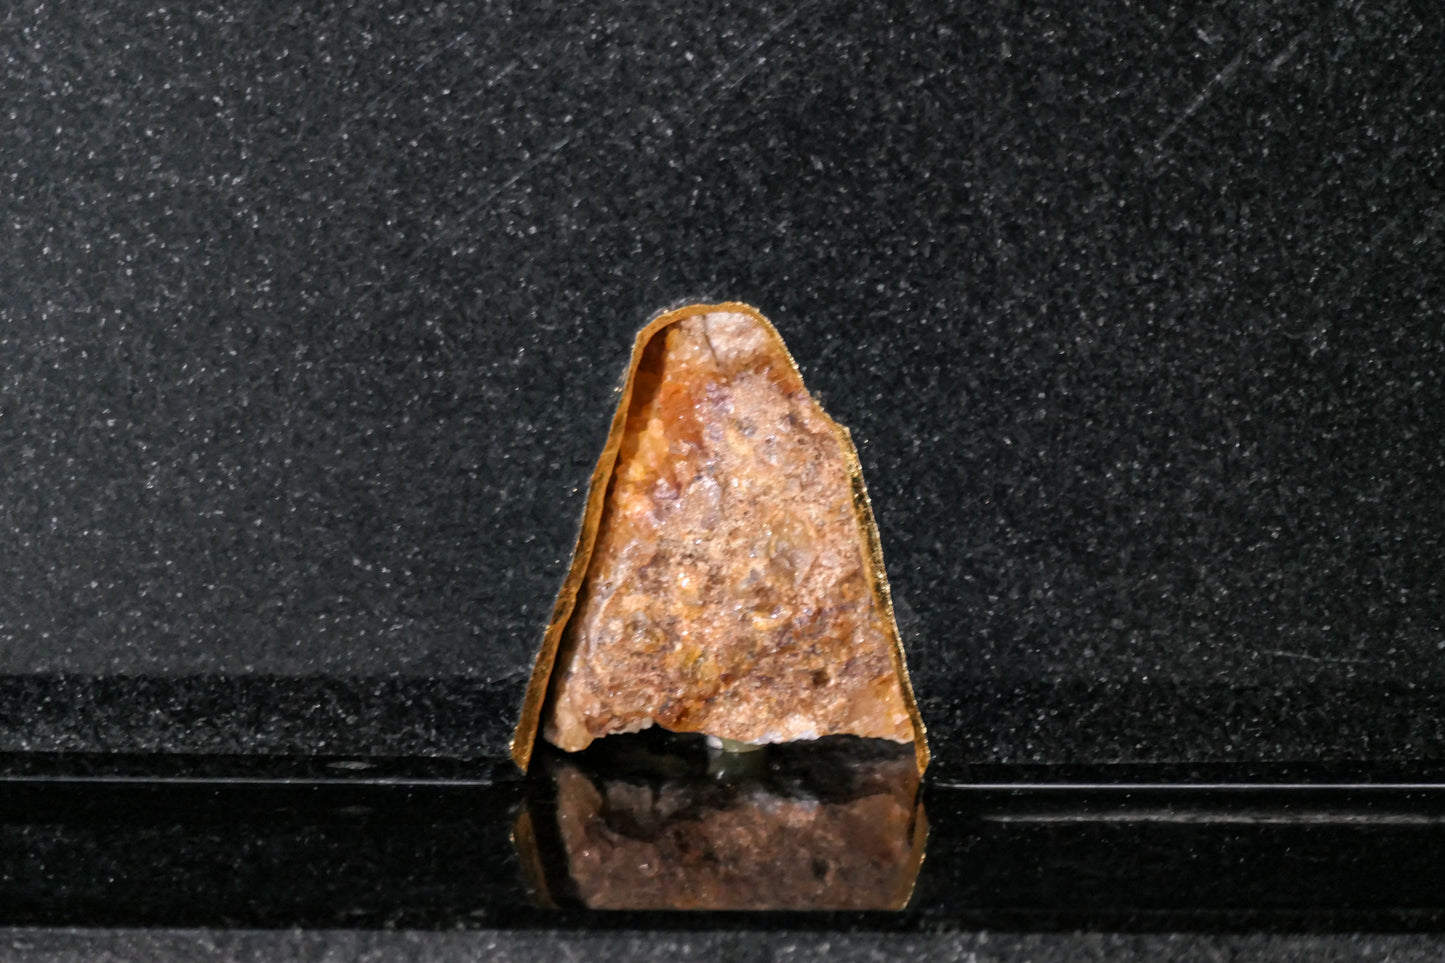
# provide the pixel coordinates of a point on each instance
(728, 579)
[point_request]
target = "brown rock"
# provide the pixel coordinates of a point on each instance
(733, 584)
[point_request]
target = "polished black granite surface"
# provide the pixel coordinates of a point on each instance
(346, 845)
(310, 321)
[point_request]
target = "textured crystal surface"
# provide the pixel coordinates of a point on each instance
(728, 591)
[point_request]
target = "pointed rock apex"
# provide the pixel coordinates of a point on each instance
(727, 579)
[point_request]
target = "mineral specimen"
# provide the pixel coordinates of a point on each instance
(728, 578)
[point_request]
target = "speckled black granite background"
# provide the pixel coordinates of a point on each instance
(747, 947)
(310, 321)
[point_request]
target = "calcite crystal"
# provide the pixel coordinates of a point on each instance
(729, 580)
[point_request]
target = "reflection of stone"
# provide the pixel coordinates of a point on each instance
(734, 587)
(786, 836)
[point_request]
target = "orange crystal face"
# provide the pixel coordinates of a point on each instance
(730, 589)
